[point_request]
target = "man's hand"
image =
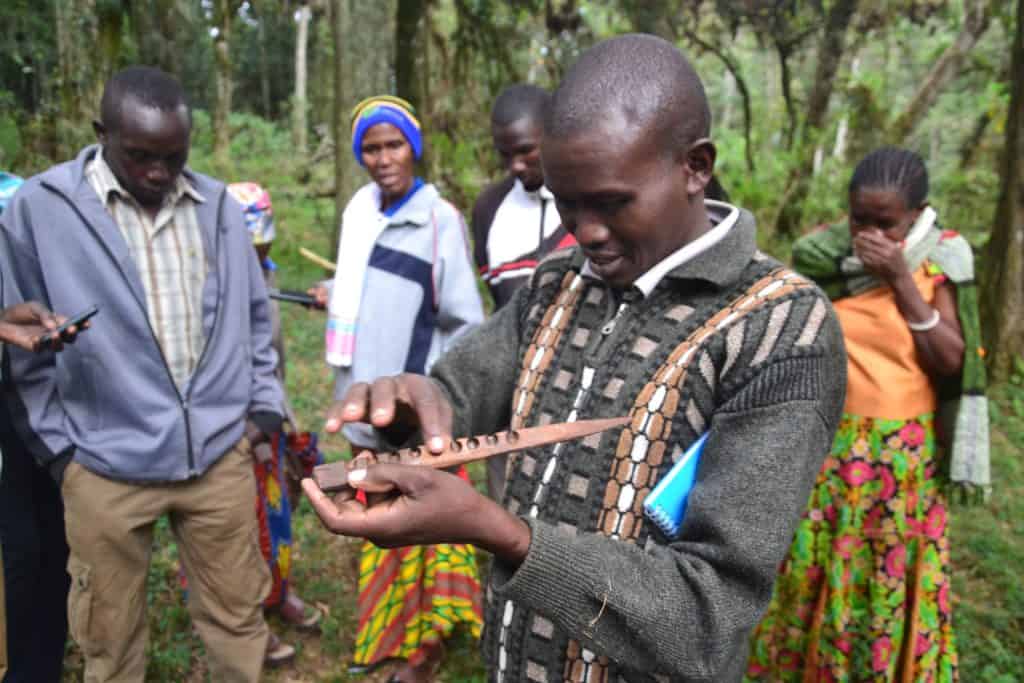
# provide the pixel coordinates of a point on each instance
(254, 434)
(881, 256)
(398, 406)
(424, 506)
(25, 324)
(319, 292)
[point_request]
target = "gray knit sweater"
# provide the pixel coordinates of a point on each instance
(602, 594)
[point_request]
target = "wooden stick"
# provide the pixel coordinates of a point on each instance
(317, 259)
(334, 476)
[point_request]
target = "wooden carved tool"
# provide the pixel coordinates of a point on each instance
(334, 476)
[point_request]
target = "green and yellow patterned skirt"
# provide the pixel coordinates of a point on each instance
(413, 597)
(864, 594)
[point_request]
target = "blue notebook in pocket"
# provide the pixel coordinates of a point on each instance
(666, 504)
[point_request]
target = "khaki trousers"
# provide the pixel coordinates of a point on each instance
(110, 534)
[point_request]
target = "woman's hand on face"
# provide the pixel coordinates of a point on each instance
(397, 406)
(418, 505)
(881, 256)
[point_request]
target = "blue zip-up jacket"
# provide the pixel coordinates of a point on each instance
(109, 398)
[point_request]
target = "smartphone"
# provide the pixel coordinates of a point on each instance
(292, 296)
(47, 340)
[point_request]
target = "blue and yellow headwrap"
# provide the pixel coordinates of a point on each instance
(385, 109)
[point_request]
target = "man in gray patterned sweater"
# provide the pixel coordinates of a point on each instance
(668, 313)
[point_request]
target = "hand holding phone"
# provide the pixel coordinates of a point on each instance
(293, 296)
(51, 339)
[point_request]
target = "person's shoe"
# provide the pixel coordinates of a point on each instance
(424, 672)
(278, 653)
(296, 613)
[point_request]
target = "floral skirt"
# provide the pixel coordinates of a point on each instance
(864, 594)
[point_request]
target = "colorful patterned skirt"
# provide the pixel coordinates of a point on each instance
(412, 597)
(864, 594)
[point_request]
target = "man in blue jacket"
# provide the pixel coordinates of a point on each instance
(154, 412)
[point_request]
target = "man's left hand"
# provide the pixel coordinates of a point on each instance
(25, 324)
(254, 434)
(423, 506)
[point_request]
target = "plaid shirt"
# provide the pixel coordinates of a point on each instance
(171, 261)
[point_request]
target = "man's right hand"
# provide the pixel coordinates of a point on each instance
(25, 324)
(398, 406)
(320, 293)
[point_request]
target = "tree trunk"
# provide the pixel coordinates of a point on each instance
(970, 145)
(830, 54)
(261, 32)
(786, 80)
(1002, 281)
(224, 14)
(88, 50)
(977, 15)
(300, 125)
(733, 66)
(155, 28)
(650, 16)
(363, 34)
(409, 44)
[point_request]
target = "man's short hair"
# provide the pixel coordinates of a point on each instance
(145, 84)
(520, 101)
(643, 79)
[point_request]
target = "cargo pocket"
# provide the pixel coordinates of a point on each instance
(80, 605)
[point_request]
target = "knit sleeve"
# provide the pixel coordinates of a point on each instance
(685, 609)
(478, 373)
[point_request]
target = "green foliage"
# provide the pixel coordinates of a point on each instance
(988, 552)
(10, 136)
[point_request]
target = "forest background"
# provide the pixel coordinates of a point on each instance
(799, 90)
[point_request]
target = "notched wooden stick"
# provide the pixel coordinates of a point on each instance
(334, 476)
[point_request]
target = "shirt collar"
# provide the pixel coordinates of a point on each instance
(107, 182)
(723, 216)
(541, 193)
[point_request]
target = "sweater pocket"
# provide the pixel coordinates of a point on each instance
(78, 375)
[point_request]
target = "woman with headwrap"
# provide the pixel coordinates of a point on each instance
(864, 594)
(404, 289)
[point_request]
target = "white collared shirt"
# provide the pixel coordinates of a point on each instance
(516, 230)
(689, 251)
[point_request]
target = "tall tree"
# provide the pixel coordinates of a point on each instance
(831, 46)
(300, 124)
(363, 34)
(977, 16)
(156, 28)
(262, 18)
(410, 31)
(719, 47)
(223, 18)
(89, 49)
(1002, 281)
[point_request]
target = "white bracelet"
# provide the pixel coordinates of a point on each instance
(929, 324)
